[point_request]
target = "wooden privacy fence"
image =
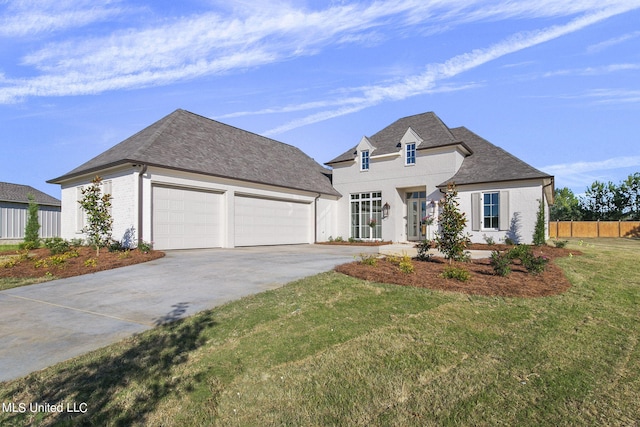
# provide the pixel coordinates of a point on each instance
(559, 229)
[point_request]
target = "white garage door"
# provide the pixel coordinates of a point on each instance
(271, 222)
(185, 218)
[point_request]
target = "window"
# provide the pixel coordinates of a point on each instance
(366, 215)
(410, 151)
(491, 210)
(364, 160)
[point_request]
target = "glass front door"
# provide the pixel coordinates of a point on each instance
(416, 212)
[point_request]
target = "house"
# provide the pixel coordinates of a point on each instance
(392, 183)
(188, 181)
(14, 204)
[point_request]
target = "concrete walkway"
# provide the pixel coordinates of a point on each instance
(401, 249)
(44, 324)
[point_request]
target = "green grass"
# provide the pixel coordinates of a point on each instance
(333, 350)
(9, 247)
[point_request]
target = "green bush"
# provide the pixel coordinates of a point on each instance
(423, 250)
(144, 246)
(535, 264)
(369, 259)
(56, 245)
(456, 273)
(406, 266)
(560, 243)
(28, 245)
(32, 229)
(501, 263)
(116, 246)
(76, 243)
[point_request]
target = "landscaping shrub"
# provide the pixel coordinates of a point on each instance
(32, 229)
(501, 263)
(144, 247)
(451, 239)
(488, 240)
(560, 243)
(56, 245)
(535, 264)
(406, 266)
(369, 259)
(457, 273)
(423, 250)
(76, 243)
(116, 246)
(99, 221)
(539, 230)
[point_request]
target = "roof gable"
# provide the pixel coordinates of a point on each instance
(426, 128)
(189, 142)
(18, 193)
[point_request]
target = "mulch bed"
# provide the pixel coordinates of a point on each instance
(483, 280)
(74, 266)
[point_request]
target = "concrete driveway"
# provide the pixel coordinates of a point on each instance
(44, 324)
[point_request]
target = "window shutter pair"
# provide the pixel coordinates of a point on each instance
(477, 206)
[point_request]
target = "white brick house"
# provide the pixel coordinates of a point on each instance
(396, 178)
(190, 182)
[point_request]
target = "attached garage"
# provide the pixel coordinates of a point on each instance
(187, 181)
(185, 218)
(262, 221)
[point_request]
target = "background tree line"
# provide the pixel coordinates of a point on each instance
(605, 202)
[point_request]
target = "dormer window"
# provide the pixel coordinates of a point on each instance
(364, 160)
(410, 154)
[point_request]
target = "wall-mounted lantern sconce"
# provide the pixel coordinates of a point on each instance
(385, 210)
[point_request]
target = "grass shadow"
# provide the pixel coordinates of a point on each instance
(147, 363)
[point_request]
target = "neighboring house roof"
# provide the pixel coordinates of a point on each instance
(188, 142)
(485, 163)
(18, 193)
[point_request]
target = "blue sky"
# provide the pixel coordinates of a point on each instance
(556, 83)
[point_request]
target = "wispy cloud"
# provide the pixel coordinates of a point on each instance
(425, 82)
(20, 18)
(593, 71)
(218, 42)
(612, 42)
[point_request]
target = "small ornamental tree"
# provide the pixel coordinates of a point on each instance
(99, 220)
(539, 229)
(32, 229)
(451, 239)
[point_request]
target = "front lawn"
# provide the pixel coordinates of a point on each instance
(336, 350)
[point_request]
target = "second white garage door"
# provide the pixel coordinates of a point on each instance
(185, 218)
(261, 221)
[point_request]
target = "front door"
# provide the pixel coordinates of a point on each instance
(416, 211)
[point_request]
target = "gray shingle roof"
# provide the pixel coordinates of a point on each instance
(485, 163)
(428, 126)
(489, 163)
(18, 193)
(189, 142)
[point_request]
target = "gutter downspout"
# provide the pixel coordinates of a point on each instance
(140, 200)
(315, 218)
